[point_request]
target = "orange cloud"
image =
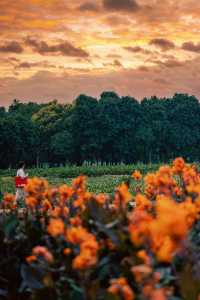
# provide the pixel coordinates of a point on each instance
(160, 80)
(63, 48)
(121, 5)
(11, 47)
(190, 46)
(97, 43)
(163, 44)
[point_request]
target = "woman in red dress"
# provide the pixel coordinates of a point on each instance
(20, 182)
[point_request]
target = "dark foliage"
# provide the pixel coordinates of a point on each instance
(112, 129)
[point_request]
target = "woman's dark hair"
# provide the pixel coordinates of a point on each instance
(21, 164)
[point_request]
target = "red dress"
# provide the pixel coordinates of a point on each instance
(20, 182)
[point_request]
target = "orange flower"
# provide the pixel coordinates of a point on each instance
(101, 198)
(76, 235)
(120, 287)
(168, 230)
(136, 175)
(150, 179)
(88, 247)
(67, 251)
(178, 165)
(190, 176)
(46, 205)
(36, 186)
(44, 252)
(90, 244)
(79, 202)
(9, 201)
(31, 259)
(31, 202)
(141, 272)
(53, 192)
(79, 182)
(88, 254)
(170, 223)
(56, 227)
(75, 221)
(166, 250)
(142, 202)
(59, 212)
(158, 294)
(139, 226)
(84, 261)
(122, 196)
(65, 192)
(81, 199)
(144, 256)
(164, 229)
(147, 290)
(191, 210)
(9, 198)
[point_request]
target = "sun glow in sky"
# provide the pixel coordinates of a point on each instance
(60, 48)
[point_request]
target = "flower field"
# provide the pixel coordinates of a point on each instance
(140, 242)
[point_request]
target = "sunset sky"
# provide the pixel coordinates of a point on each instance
(57, 49)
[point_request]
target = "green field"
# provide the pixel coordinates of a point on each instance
(99, 184)
(91, 170)
(101, 178)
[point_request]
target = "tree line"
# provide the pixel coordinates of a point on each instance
(111, 129)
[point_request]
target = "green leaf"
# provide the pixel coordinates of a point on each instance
(10, 225)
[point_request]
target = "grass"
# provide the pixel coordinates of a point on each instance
(98, 184)
(102, 178)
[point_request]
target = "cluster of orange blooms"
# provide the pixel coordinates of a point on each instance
(120, 286)
(88, 247)
(162, 217)
(159, 223)
(56, 202)
(9, 201)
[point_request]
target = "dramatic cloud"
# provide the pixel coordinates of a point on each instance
(116, 64)
(141, 82)
(138, 47)
(29, 65)
(11, 47)
(163, 44)
(134, 49)
(115, 20)
(63, 48)
(170, 63)
(124, 5)
(190, 46)
(89, 6)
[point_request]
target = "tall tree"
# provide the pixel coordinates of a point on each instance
(85, 129)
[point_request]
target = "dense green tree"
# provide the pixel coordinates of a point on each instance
(62, 147)
(25, 109)
(49, 121)
(18, 138)
(111, 129)
(85, 129)
(2, 112)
